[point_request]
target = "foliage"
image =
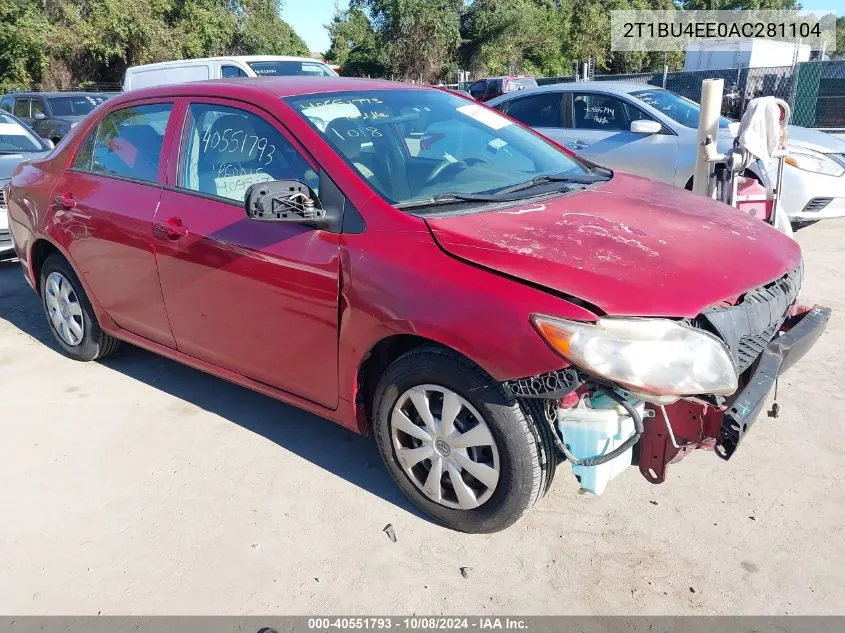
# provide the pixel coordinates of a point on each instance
(415, 39)
(67, 43)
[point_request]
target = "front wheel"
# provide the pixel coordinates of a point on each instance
(457, 444)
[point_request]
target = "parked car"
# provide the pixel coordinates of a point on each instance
(483, 314)
(652, 132)
(182, 70)
(17, 143)
(51, 114)
(486, 89)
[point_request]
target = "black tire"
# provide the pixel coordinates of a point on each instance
(526, 458)
(95, 343)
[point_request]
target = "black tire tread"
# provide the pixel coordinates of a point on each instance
(99, 344)
(523, 430)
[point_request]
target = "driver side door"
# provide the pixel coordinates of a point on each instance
(601, 131)
(254, 297)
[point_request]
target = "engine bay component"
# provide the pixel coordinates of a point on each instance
(598, 435)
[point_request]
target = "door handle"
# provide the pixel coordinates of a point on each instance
(66, 201)
(173, 229)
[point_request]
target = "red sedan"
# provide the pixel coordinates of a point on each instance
(407, 262)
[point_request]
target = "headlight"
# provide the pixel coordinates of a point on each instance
(815, 162)
(657, 358)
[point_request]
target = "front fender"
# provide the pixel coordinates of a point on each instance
(402, 283)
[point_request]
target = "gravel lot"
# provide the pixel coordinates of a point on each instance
(140, 486)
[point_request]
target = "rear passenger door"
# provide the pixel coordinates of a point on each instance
(257, 298)
(542, 111)
(106, 201)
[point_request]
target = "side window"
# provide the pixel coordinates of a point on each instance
(315, 70)
(83, 157)
(226, 150)
(633, 113)
(540, 110)
(37, 107)
(128, 142)
(598, 112)
(6, 104)
(478, 89)
(227, 72)
(22, 108)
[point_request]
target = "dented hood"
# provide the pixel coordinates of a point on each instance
(630, 246)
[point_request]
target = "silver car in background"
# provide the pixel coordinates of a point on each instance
(652, 132)
(17, 144)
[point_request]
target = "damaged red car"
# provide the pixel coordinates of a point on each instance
(412, 264)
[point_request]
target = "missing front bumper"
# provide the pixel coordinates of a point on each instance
(777, 357)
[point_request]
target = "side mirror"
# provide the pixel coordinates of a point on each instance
(284, 201)
(39, 116)
(645, 127)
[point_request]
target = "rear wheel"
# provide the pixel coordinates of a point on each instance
(69, 313)
(457, 444)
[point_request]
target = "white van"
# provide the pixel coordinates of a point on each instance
(183, 70)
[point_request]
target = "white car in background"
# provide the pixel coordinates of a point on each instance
(652, 132)
(201, 69)
(17, 144)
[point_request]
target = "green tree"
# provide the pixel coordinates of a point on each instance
(23, 57)
(65, 43)
(507, 36)
(355, 46)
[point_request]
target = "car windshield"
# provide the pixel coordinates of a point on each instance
(75, 106)
(417, 145)
(676, 107)
(16, 139)
(291, 67)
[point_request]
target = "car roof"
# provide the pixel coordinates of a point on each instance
(621, 87)
(229, 58)
(612, 87)
(282, 86)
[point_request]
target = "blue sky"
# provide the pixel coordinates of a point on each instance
(307, 17)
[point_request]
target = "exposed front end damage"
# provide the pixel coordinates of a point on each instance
(765, 332)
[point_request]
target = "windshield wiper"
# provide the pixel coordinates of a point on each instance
(574, 179)
(449, 198)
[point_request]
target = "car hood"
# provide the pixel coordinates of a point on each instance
(815, 140)
(9, 162)
(630, 246)
(798, 137)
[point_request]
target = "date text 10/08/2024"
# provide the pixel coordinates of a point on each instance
(415, 623)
